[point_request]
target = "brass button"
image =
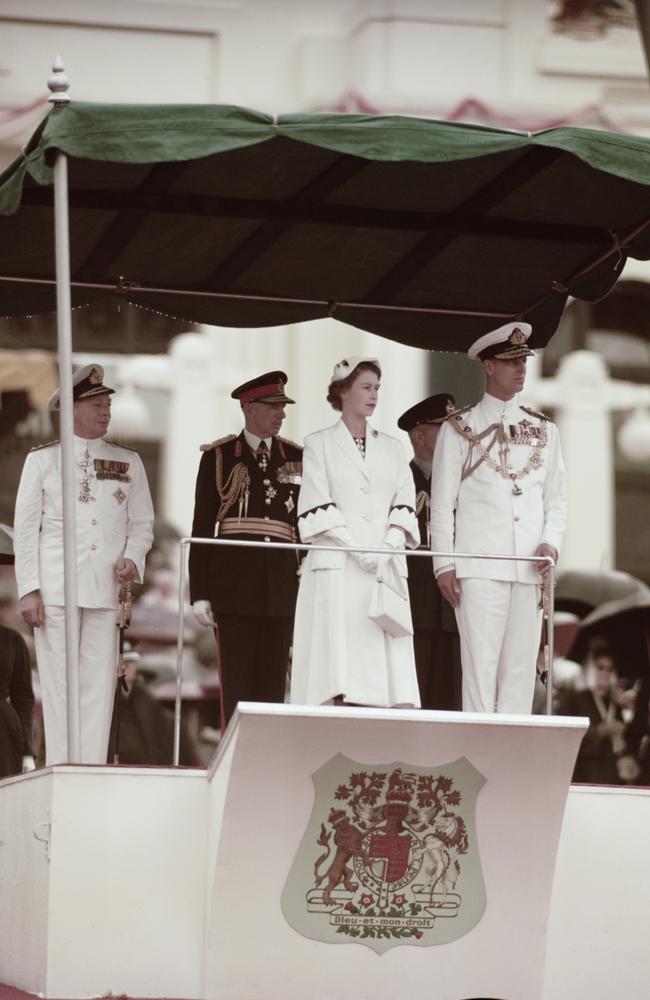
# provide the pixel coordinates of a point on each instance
(267, 501)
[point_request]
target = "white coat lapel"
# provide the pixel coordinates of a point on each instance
(345, 442)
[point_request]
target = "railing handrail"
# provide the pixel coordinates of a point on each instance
(374, 549)
(427, 553)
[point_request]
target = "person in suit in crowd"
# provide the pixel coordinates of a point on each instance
(142, 730)
(357, 490)
(435, 632)
(603, 745)
(637, 734)
(497, 487)
(114, 529)
(247, 489)
(16, 704)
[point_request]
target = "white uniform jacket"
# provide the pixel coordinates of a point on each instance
(115, 521)
(482, 510)
(337, 648)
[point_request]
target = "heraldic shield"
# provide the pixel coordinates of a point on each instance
(389, 857)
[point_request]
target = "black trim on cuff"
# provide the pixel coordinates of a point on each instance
(312, 510)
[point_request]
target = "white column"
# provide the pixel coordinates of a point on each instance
(583, 396)
(192, 421)
(584, 424)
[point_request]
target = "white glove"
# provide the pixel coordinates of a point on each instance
(28, 764)
(203, 613)
(395, 538)
(341, 536)
(366, 561)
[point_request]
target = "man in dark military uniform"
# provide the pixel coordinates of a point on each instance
(247, 487)
(435, 638)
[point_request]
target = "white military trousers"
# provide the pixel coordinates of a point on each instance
(98, 650)
(499, 624)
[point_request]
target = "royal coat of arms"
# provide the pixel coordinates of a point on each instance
(389, 856)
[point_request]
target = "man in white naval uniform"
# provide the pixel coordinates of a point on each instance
(498, 487)
(114, 524)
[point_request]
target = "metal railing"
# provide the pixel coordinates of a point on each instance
(303, 547)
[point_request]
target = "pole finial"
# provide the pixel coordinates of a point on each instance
(58, 84)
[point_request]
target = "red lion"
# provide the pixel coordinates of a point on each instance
(348, 841)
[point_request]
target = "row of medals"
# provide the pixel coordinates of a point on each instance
(269, 489)
(85, 486)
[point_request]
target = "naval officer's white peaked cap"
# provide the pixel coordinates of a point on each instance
(505, 343)
(86, 382)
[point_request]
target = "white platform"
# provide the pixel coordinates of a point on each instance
(169, 883)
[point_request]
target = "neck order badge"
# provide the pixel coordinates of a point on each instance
(389, 855)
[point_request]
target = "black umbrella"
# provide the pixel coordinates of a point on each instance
(580, 591)
(6, 545)
(625, 626)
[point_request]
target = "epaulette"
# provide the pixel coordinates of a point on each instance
(219, 441)
(459, 424)
(292, 444)
(457, 413)
(118, 444)
(535, 413)
(48, 444)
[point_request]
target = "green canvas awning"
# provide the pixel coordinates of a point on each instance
(424, 232)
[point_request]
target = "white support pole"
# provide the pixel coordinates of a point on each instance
(64, 337)
(58, 86)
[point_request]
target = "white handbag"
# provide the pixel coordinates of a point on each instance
(389, 602)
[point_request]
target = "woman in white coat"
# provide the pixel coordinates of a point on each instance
(357, 489)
